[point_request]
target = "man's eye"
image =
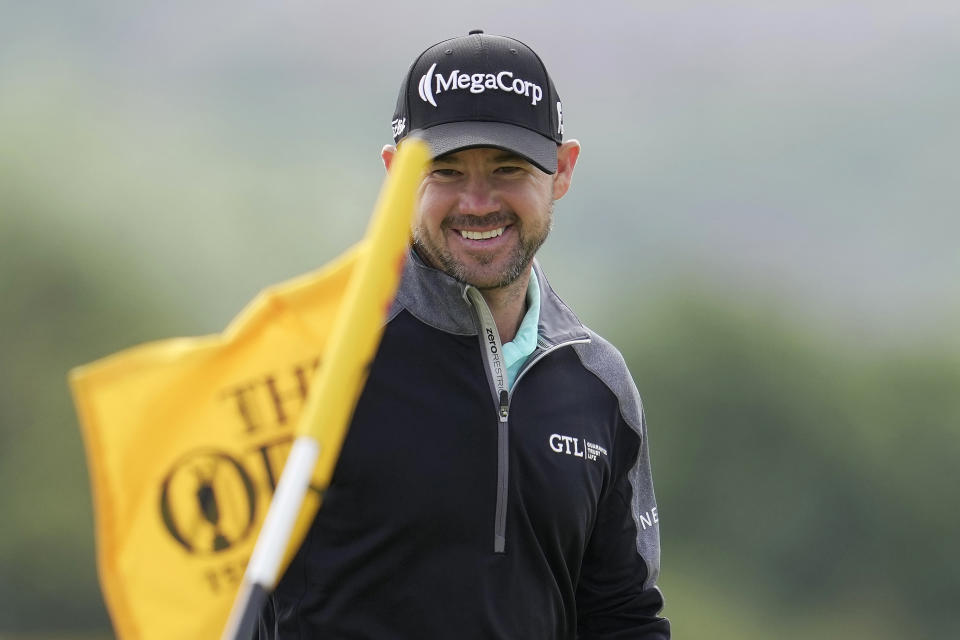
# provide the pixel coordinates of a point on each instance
(445, 173)
(508, 170)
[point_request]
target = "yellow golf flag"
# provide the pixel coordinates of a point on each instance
(186, 439)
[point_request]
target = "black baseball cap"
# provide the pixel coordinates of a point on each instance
(482, 90)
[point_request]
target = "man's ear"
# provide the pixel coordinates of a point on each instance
(567, 155)
(386, 154)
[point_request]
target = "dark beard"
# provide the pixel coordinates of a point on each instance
(518, 264)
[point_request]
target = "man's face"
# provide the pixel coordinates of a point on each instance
(482, 215)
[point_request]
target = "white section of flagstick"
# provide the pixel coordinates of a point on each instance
(274, 536)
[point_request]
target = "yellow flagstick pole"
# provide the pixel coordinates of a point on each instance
(333, 395)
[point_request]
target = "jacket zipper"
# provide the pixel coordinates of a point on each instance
(503, 464)
(496, 371)
(492, 349)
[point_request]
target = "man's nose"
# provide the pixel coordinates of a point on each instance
(479, 197)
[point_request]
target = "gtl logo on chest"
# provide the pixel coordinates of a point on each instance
(571, 446)
(566, 444)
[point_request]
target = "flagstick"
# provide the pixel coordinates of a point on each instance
(261, 573)
(353, 341)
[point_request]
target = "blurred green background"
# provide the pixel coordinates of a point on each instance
(764, 220)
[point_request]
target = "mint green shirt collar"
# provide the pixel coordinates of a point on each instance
(516, 352)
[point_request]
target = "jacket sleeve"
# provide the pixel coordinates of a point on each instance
(617, 596)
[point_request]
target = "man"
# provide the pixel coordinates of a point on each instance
(495, 480)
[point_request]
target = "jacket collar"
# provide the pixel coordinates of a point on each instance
(436, 299)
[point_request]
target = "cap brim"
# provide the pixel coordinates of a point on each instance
(457, 136)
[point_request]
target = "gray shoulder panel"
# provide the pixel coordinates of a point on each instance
(605, 361)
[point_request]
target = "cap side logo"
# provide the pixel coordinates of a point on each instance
(425, 81)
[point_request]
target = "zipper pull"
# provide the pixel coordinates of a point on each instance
(504, 405)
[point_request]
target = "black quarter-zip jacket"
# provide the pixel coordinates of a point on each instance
(461, 510)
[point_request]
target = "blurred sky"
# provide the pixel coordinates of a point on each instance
(803, 150)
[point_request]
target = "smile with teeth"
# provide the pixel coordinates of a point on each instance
(482, 235)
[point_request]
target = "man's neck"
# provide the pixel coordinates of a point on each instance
(508, 305)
